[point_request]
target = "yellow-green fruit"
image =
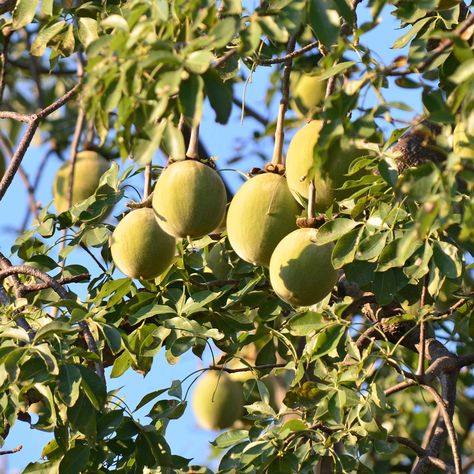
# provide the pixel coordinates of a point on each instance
(217, 401)
(307, 93)
(327, 178)
(261, 213)
(140, 247)
(89, 168)
(189, 199)
(461, 145)
(301, 272)
(218, 261)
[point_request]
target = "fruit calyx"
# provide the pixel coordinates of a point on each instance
(311, 222)
(277, 168)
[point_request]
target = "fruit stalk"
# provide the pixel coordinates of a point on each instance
(193, 147)
(277, 158)
(147, 187)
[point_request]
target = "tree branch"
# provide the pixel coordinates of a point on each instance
(289, 56)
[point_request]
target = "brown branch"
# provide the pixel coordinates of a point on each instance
(33, 123)
(41, 69)
(444, 44)
(62, 281)
(11, 451)
(245, 369)
(63, 294)
(399, 387)
(421, 347)
(289, 56)
(139, 205)
(277, 158)
(73, 154)
(224, 58)
(3, 64)
(147, 186)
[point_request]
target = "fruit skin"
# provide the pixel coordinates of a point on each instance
(301, 272)
(89, 168)
(299, 162)
(140, 247)
(307, 93)
(189, 199)
(218, 261)
(261, 213)
(461, 145)
(217, 401)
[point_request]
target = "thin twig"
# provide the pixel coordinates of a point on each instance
(147, 186)
(11, 451)
(246, 369)
(421, 347)
(3, 64)
(288, 56)
(277, 158)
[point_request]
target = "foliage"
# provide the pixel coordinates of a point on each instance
(403, 238)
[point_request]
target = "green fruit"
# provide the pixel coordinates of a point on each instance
(218, 261)
(217, 401)
(461, 145)
(89, 168)
(140, 247)
(189, 199)
(261, 213)
(307, 93)
(301, 272)
(328, 177)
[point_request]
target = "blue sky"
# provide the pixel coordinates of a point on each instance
(184, 436)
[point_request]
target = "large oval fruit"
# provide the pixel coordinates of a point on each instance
(189, 199)
(301, 272)
(461, 145)
(261, 213)
(89, 168)
(307, 93)
(217, 401)
(140, 247)
(327, 178)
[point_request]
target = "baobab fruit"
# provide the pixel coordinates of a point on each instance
(217, 401)
(307, 92)
(261, 213)
(218, 261)
(189, 199)
(301, 272)
(89, 168)
(461, 145)
(300, 164)
(140, 247)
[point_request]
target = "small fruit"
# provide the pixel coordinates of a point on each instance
(217, 401)
(307, 93)
(261, 213)
(461, 144)
(301, 272)
(218, 261)
(140, 247)
(89, 168)
(189, 199)
(328, 177)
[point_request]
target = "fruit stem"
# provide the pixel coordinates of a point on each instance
(193, 146)
(277, 158)
(147, 186)
(311, 199)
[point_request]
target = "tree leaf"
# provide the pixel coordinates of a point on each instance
(24, 13)
(75, 460)
(327, 340)
(87, 31)
(324, 21)
(38, 47)
(220, 95)
(69, 381)
(334, 230)
(191, 95)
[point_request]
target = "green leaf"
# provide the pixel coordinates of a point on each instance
(87, 31)
(93, 387)
(69, 381)
(82, 417)
(144, 149)
(386, 284)
(345, 10)
(334, 70)
(149, 397)
(38, 47)
(334, 230)
(220, 95)
(231, 7)
(421, 266)
(447, 259)
(47, 7)
(75, 460)
(24, 13)
(54, 327)
(302, 324)
(464, 73)
(272, 29)
(113, 337)
(371, 247)
(397, 252)
(224, 31)
(173, 142)
(198, 62)
(404, 39)
(121, 364)
(229, 438)
(191, 95)
(324, 21)
(345, 249)
(327, 340)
